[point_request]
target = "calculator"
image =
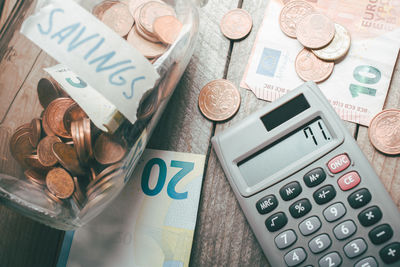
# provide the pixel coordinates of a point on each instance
(307, 190)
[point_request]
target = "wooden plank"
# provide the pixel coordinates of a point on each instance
(223, 236)
(387, 167)
(8, 6)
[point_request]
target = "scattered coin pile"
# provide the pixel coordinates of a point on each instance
(324, 40)
(149, 26)
(63, 153)
(384, 131)
(219, 100)
(236, 24)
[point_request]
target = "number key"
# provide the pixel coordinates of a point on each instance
(367, 262)
(332, 259)
(285, 239)
(334, 212)
(345, 229)
(310, 225)
(355, 248)
(295, 257)
(320, 243)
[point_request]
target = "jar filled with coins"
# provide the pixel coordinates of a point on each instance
(67, 150)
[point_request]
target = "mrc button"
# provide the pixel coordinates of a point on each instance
(267, 204)
(339, 163)
(349, 180)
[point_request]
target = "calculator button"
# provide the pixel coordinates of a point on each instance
(300, 208)
(290, 191)
(339, 163)
(367, 262)
(267, 204)
(370, 216)
(324, 194)
(345, 229)
(295, 257)
(380, 234)
(390, 253)
(276, 221)
(314, 177)
(349, 180)
(310, 225)
(332, 259)
(359, 198)
(319, 243)
(285, 239)
(355, 248)
(334, 212)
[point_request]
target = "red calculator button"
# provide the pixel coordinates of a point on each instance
(349, 180)
(339, 163)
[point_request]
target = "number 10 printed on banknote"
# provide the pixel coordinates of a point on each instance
(151, 222)
(359, 83)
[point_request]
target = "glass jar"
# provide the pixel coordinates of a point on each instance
(63, 160)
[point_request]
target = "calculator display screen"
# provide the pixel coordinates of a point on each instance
(284, 152)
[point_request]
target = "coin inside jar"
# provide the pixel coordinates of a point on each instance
(150, 11)
(67, 157)
(73, 113)
(35, 177)
(60, 183)
(167, 29)
(35, 133)
(47, 92)
(118, 18)
(109, 149)
(145, 47)
(53, 116)
(45, 150)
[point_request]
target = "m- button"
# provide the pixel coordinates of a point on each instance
(338, 163)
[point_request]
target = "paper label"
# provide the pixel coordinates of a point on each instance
(75, 38)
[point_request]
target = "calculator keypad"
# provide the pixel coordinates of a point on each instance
(276, 221)
(290, 191)
(345, 229)
(267, 204)
(360, 198)
(295, 257)
(324, 194)
(349, 180)
(381, 234)
(332, 259)
(370, 216)
(320, 243)
(285, 239)
(310, 225)
(334, 212)
(300, 208)
(355, 248)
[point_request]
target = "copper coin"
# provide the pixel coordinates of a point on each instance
(118, 18)
(36, 130)
(52, 196)
(45, 151)
(54, 116)
(339, 46)
(315, 30)
(311, 68)
(35, 177)
(33, 162)
(92, 175)
(60, 183)
(67, 157)
(87, 135)
(145, 47)
(73, 113)
(100, 8)
(134, 5)
(384, 131)
(79, 141)
(107, 171)
(20, 147)
(236, 24)
(150, 11)
(141, 30)
(47, 91)
(109, 149)
(78, 195)
(291, 14)
(219, 100)
(167, 29)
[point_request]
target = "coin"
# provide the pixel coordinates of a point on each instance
(118, 18)
(311, 68)
(33, 163)
(100, 8)
(338, 47)
(67, 157)
(87, 136)
(35, 177)
(167, 29)
(384, 131)
(47, 91)
(110, 169)
(53, 116)
(20, 147)
(150, 36)
(45, 151)
(60, 183)
(145, 47)
(315, 30)
(35, 133)
(52, 196)
(236, 24)
(219, 100)
(109, 149)
(291, 14)
(150, 11)
(73, 113)
(78, 195)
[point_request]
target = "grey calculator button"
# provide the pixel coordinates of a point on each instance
(332, 259)
(355, 248)
(334, 212)
(320, 243)
(310, 225)
(295, 257)
(367, 262)
(285, 239)
(345, 229)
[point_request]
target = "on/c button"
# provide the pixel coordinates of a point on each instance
(339, 163)
(349, 180)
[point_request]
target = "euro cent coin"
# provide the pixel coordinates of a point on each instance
(315, 31)
(219, 100)
(291, 14)
(60, 183)
(311, 68)
(236, 24)
(118, 18)
(384, 131)
(167, 29)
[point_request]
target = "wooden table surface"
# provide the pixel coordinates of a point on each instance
(222, 236)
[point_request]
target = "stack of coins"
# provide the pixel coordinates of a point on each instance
(149, 26)
(64, 154)
(324, 41)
